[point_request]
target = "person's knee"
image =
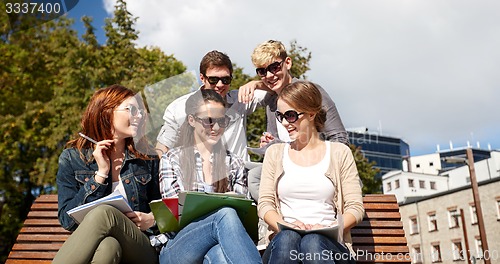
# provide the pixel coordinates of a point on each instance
(314, 243)
(108, 251)
(101, 213)
(227, 213)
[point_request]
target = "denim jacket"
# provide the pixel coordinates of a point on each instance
(76, 184)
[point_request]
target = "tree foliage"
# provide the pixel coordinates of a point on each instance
(367, 171)
(47, 75)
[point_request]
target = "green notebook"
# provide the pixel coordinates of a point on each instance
(193, 205)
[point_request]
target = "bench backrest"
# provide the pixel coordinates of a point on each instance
(379, 238)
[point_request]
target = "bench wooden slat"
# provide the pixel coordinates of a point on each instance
(43, 229)
(42, 214)
(385, 215)
(28, 261)
(49, 255)
(42, 222)
(37, 246)
(377, 232)
(379, 198)
(379, 224)
(381, 206)
(44, 207)
(379, 240)
(41, 238)
(387, 249)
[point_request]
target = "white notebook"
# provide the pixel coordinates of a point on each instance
(114, 199)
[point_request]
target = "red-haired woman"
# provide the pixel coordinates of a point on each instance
(107, 161)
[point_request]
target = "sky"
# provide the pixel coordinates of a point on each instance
(426, 71)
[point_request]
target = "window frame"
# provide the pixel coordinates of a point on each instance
(432, 221)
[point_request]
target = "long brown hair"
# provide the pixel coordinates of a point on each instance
(97, 120)
(186, 142)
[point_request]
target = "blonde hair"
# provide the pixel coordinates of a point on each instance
(268, 51)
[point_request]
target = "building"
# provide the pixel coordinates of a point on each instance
(434, 230)
(387, 152)
(437, 163)
(409, 185)
(427, 180)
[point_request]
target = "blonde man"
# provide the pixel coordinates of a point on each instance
(273, 67)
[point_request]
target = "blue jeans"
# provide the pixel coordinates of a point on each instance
(215, 238)
(289, 247)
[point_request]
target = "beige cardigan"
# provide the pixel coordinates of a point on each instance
(342, 172)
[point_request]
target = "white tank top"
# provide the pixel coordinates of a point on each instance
(305, 193)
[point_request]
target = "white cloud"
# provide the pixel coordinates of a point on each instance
(426, 70)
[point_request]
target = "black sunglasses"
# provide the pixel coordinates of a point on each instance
(272, 68)
(291, 116)
(209, 122)
(214, 79)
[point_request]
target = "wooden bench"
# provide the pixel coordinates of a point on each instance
(41, 235)
(379, 238)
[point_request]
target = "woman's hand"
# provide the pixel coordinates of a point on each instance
(299, 225)
(142, 220)
(101, 157)
(317, 226)
(265, 139)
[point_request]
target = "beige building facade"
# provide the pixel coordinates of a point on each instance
(434, 230)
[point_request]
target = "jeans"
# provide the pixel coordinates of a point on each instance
(218, 237)
(289, 247)
(106, 235)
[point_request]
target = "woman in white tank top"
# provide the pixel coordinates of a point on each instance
(308, 185)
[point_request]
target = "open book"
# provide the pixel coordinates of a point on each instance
(193, 205)
(332, 231)
(114, 199)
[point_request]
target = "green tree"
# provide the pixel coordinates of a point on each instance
(47, 75)
(367, 171)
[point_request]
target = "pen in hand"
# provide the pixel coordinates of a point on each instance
(87, 138)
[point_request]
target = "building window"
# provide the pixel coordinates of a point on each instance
(473, 214)
(410, 183)
(413, 225)
(498, 208)
(421, 184)
(453, 218)
(433, 185)
(479, 247)
(432, 222)
(435, 253)
(417, 254)
(389, 186)
(418, 166)
(456, 249)
(431, 164)
(396, 184)
(467, 179)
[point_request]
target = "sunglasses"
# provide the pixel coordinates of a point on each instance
(133, 110)
(291, 116)
(214, 79)
(209, 122)
(272, 68)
